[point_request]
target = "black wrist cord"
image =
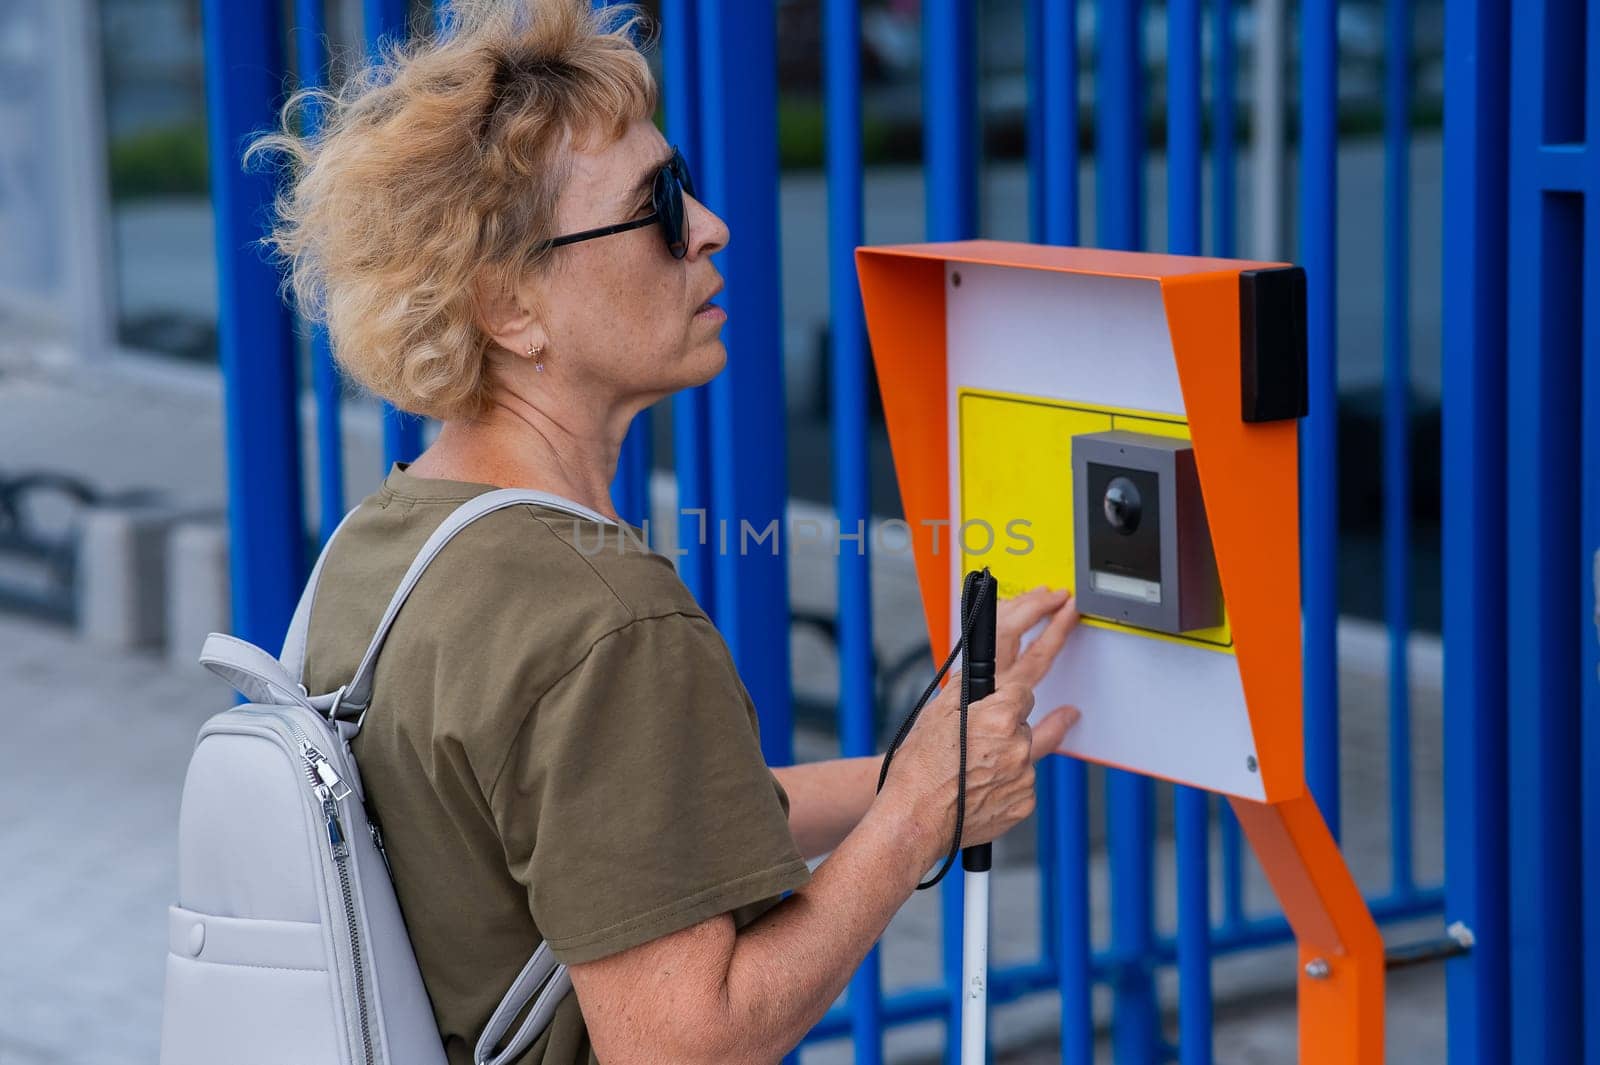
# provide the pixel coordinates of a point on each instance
(977, 590)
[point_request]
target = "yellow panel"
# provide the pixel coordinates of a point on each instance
(1016, 467)
(1016, 492)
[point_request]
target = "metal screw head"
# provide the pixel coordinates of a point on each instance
(1317, 969)
(955, 279)
(1250, 763)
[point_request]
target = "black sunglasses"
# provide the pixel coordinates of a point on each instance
(666, 196)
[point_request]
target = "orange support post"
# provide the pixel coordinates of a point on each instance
(1341, 951)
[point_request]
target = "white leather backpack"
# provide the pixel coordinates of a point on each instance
(286, 944)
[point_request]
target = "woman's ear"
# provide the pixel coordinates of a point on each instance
(510, 318)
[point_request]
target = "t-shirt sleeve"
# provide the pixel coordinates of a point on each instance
(635, 800)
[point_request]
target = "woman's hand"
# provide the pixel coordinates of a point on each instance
(1017, 615)
(1001, 747)
(1013, 618)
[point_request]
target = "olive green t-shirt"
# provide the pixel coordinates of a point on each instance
(558, 747)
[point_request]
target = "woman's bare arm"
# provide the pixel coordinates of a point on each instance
(827, 800)
(709, 994)
(712, 993)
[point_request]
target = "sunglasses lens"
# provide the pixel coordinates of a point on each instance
(680, 170)
(668, 196)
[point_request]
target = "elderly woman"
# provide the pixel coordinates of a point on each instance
(560, 747)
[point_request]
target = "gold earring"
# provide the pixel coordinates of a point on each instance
(536, 352)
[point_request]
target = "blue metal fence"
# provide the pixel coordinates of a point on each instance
(1517, 606)
(1551, 176)
(244, 80)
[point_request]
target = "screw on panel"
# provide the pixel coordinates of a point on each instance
(955, 279)
(1250, 763)
(1317, 969)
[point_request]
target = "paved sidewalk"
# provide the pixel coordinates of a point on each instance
(90, 775)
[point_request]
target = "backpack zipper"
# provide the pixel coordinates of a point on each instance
(328, 787)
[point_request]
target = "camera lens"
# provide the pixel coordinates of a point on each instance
(1123, 505)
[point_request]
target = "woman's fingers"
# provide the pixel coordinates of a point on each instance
(1022, 612)
(1052, 729)
(1017, 615)
(1034, 663)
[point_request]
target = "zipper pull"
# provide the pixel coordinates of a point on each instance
(330, 815)
(325, 771)
(377, 841)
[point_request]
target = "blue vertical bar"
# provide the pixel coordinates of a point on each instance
(310, 58)
(245, 72)
(849, 384)
(691, 411)
(950, 169)
(1542, 546)
(1224, 155)
(1397, 427)
(1120, 125)
(1193, 815)
(382, 20)
(1543, 605)
(385, 20)
(1183, 127)
(1059, 117)
(1194, 926)
(738, 74)
(1473, 476)
(1069, 789)
(1064, 827)
(1232, 867)
(1589, 557)
(1130, 831)
(950, 118)
(1319, 497)
(1589, 606)
(1119, 193)
(952, 914)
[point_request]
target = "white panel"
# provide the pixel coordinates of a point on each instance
(1096, 340)
(1168, 709)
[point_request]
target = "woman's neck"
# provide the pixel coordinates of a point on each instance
(516, 446)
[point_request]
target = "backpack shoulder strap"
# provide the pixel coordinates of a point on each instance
(293, 655)
(264, 679)
(545, 982)
(358, 693)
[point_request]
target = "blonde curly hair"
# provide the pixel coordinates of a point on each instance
(432, 175)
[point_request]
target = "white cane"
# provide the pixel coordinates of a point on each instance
(978, 677)
(978, 594)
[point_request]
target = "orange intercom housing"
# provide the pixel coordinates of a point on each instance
(989, 356)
